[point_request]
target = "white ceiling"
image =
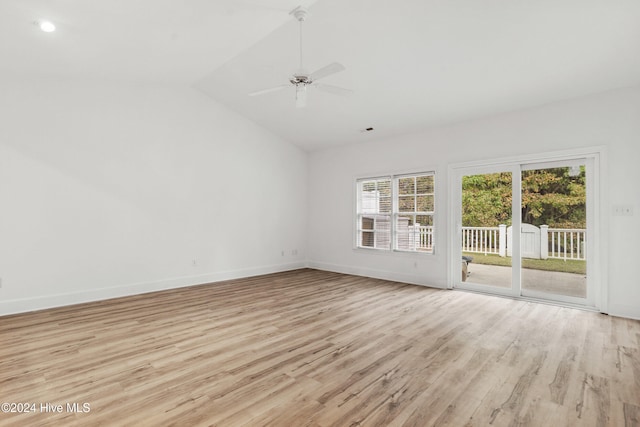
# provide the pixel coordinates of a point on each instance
(411, 63)
(157, 41)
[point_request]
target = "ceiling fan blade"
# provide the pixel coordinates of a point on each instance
(336, 90)
(272, 89)
(326, 71)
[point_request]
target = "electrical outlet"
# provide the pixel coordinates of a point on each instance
(623, 210)
(294, 252)
(282, 253)
(195, 262)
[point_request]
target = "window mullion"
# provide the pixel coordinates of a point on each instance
(394, 213)
(415, 195)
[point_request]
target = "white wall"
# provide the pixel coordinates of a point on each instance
(611, 119)
(111, 189)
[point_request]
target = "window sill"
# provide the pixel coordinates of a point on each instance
(391, 251)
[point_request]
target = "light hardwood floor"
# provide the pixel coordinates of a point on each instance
(311, 348)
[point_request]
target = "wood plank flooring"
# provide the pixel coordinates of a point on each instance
(311, 348)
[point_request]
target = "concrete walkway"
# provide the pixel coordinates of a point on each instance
(554, 282)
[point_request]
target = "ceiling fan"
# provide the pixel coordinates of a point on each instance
(301, 79)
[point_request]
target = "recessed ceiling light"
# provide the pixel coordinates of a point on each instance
(46, 26)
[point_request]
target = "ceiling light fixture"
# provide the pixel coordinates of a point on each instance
(46, 26)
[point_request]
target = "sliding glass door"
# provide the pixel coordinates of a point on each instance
(555, 230)
(485, 213)
(525, 229)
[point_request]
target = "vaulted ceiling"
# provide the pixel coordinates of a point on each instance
(410, 63)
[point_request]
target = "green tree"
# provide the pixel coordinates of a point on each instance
(486, 200)
(549, 196)
(554, 197)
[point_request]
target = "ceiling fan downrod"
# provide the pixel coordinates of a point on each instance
(301, 14)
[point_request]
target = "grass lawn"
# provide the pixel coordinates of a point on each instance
(551, 264)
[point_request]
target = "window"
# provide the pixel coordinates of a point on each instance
(414, 213)
(396, 212)
(374, 213)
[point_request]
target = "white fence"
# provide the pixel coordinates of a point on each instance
(565, 243)
(423, 237)
(537, 242)
(415, 237)
(484, 240)
(560, 243)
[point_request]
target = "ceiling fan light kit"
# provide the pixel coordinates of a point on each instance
(301, 95)
(301, 79)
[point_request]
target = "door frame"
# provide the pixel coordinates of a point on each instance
(597, 246)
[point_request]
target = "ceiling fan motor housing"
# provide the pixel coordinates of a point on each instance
(300, 80)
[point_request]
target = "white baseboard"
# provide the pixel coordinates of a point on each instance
(378, 274)
(60, 300)
(623, 310)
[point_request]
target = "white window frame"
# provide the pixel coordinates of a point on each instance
(360, 214)
(397, 213)
(394, 215)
